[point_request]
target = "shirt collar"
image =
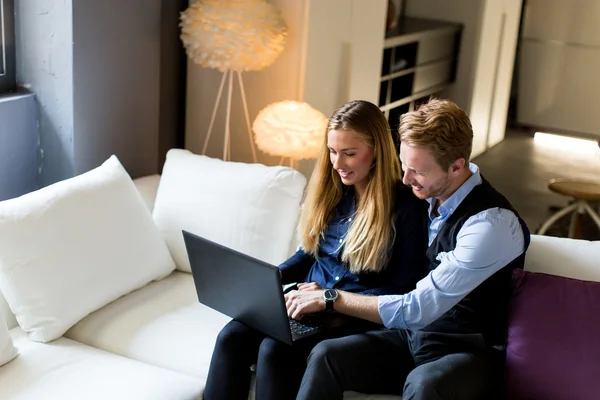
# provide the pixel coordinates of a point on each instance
(459, 195)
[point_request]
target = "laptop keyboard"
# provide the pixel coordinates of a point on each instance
(301, 329)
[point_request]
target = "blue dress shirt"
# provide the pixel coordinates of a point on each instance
(486, 242)
(405, 267)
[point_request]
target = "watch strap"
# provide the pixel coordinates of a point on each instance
(329, 305)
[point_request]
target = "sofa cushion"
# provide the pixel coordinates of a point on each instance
(67, 370)
(5, 310)
(147, 187)
(251, 208)
(7, 349)
(552, 330)
(73, 247)
(571, 258)
(161, 324)
(164, 325)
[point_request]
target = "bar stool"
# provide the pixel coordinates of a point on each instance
(582, 192)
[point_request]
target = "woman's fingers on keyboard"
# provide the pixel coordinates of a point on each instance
(302, 302)
(290, 305)
(309, 286)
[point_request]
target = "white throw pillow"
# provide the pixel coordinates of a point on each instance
(251, 208)
(71, 248)
(7, 349)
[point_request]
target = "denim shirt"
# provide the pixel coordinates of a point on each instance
(405, 267)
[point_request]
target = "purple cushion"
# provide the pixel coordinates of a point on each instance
(553, 350)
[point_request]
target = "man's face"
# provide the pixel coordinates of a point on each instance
(424, 175)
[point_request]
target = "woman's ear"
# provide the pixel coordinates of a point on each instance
(374, 157)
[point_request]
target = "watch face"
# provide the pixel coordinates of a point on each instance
(330, 294)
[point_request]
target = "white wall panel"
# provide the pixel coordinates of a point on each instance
(575, 21)
(559, 66)
(559, 87)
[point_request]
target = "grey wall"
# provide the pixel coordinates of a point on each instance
(18, 142)
(173, 80)
(116, 65)
(44, 40)
(95, 67)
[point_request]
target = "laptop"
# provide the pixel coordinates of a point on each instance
(248, 290)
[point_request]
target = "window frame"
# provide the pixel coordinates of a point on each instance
(7, 47)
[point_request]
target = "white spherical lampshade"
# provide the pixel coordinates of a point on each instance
(290, 129)
(238, 35)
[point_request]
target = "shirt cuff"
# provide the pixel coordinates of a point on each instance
(390, 310)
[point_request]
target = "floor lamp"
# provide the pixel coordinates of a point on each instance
(232, 36)
(290, 129)
(228, 75)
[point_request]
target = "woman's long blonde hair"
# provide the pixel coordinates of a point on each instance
(371, 233)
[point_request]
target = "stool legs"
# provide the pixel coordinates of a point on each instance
(575, 217)
(558, 215)
(579, 208)
(593, 214)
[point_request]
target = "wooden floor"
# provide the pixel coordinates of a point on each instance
(520, 168)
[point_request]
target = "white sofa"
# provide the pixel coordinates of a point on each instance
(156, 341)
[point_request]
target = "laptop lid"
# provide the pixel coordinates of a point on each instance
(239, 286)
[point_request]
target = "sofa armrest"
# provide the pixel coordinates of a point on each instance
(147, 187)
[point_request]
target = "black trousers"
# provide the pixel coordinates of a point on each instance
(416, 365)
(279, 367)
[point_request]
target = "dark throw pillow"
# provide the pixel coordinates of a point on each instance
(553, 350)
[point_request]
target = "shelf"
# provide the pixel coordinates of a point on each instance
(415, 96)
(397, 74)
(419, 59)
(414, 69)
(414, 29)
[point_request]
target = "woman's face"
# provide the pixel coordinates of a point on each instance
(350, 157)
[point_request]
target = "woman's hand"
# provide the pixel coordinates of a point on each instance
(304, 301)
(309, 286)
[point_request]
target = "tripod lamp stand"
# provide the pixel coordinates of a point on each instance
(232, 36)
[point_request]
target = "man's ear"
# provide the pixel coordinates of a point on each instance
(457, 166)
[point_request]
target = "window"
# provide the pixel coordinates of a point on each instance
(7, 46)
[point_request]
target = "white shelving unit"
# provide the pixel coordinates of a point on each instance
(419, 60)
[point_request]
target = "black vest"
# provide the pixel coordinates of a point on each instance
(485, 309)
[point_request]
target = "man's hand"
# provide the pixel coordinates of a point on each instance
(306, 300)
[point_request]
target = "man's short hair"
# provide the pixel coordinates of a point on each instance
(440, 126)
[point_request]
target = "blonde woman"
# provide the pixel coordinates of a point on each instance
(361, 230)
